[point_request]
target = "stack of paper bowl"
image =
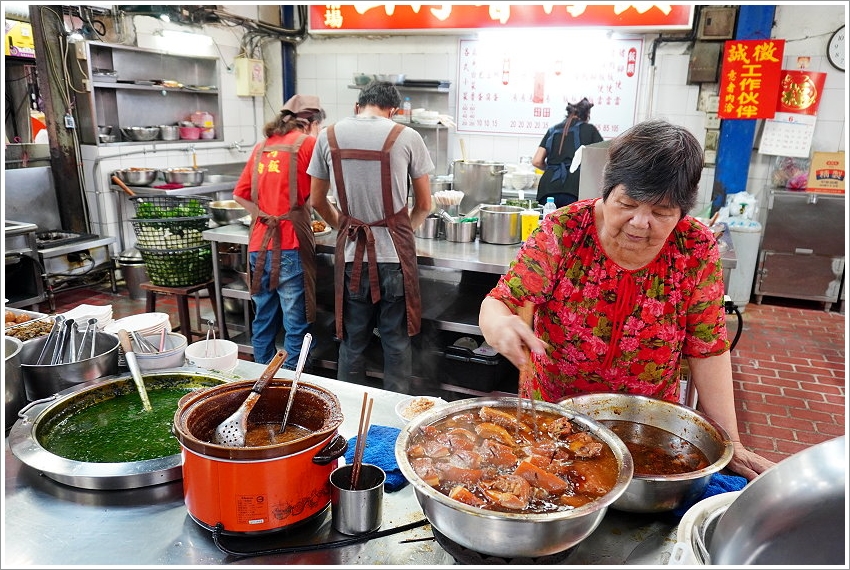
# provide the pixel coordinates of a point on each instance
(213, 354)
(82, 313)
(172, 355)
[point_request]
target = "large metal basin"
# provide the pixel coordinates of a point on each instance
(659, 493)
(792, 514)
(511, 534)
(25, 436)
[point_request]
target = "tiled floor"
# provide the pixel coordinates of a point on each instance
(789, 366)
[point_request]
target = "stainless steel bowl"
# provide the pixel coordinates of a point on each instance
(511, 534)
(792, 514)
(227, 211)
(460, 231)
(140, 133)
(652, 494)
(184, 176)
(137, 176)
(391, 77)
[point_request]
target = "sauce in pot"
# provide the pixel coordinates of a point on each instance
(268, 434)
(490, 459)
(656, 451)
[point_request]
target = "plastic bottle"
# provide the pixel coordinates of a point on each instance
(406, 110)
(549, 207)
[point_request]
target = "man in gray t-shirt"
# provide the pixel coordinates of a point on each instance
(369, 160)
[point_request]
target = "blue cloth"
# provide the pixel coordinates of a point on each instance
(718, 484)
(380, 451)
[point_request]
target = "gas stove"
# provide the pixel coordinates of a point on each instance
(57, 238)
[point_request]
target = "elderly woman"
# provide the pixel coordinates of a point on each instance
(623, 287)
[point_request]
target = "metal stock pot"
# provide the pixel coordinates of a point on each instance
(501, 224)
(479, 180)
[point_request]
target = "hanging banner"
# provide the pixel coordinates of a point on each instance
(750, 78)
(518, 89)
(369, 17)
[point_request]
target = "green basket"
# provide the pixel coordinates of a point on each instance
(170, 233)
(178, 267)
(157, 207)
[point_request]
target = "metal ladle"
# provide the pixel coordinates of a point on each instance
(302, 358)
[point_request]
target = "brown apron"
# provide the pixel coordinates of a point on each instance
(299, 216)
(351, 228)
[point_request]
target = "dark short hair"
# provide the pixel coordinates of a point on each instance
(658, 163)
(381, 94)
(580, 109)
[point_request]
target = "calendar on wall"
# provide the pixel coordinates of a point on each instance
(788, 134)
(519, 89)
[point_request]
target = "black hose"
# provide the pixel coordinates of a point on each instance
(733, 308)
(311, 547)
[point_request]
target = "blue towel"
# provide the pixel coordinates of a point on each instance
(380, 451)
(718, 484)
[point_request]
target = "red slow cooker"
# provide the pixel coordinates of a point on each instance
(265, 488)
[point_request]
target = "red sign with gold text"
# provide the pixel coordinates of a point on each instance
(401, 18)
(750, 77)
(800, 91)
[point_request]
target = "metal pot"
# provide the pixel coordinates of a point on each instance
(479, 180)
(26, 435)
(43, 380)
(13, 381)
(460, 231)
(792, 514)
(501, 224)
(292, 477)
(659, 493)
(510, 534)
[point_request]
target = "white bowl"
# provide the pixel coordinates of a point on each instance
(411, 407)
(214, 354)
(172, 357)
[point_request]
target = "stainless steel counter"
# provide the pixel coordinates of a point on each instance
(47, 523)
(212, 183)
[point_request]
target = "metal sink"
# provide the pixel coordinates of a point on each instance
(220, 178)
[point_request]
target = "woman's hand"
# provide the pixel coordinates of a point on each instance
(748, 464)
(508, 333)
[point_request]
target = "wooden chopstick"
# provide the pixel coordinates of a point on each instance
(526, 313)
(360, 445)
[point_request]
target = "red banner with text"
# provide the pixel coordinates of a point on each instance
(750, 78)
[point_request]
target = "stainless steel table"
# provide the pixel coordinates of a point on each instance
(47, 523)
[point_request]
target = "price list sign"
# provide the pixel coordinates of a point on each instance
(518, 89)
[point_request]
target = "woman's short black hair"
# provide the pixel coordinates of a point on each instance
(381, 94)
(657, 162)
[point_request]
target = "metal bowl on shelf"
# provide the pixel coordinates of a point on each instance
(227, 212)
(396, 78)
(140, 133)
(136, 176)
(184, 176)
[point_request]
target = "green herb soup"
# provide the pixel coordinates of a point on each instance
(118, 430)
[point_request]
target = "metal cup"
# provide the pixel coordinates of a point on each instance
(357, 511)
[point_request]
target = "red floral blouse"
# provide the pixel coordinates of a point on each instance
(610, 329)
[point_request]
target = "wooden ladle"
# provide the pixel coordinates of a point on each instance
(123, 186)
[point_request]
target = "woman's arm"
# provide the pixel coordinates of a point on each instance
(539, 158)
(507, 332)
(712, 378)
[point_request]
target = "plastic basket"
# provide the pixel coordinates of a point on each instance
(170, 233)
(178, 267)
(155, 207)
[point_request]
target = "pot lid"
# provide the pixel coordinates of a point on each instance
(131, 255)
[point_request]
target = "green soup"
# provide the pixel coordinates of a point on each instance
(118, 430)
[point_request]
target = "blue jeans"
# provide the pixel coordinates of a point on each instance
(281, 307)
(390, 315)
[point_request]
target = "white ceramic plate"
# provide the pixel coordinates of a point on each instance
(324, 232)
(420, 404)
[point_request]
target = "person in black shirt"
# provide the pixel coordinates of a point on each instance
(556, 152)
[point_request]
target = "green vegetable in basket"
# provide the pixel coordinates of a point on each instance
(179, 268)
(147, 210)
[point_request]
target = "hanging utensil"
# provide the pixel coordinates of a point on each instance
(123, 186)
(136, 372)
(231, 432)
(302, 358)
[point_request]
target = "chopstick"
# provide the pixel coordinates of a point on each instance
(526, 313)
(360, 445)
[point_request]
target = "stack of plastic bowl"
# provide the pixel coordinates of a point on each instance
(172, 355)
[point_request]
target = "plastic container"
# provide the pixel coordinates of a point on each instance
(477, 369)
(173, 355)
(407, 110)
(549, 206)
(190, 133)
(746, 238)
(530, 220)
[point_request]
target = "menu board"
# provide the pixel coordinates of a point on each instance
(523, 90)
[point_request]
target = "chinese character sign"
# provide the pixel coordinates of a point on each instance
(518, 89)
(750, 77)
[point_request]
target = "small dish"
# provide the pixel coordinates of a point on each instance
(412, 406)
(324, 232)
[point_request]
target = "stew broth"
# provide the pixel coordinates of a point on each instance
(490, 459)
(656, 451)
